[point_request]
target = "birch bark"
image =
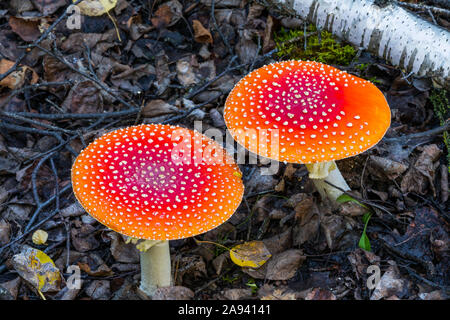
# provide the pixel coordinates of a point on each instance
(386, 30)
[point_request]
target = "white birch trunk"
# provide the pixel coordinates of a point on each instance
(390, 32)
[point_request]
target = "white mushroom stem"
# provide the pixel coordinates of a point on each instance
(323, 172)
(155, 266)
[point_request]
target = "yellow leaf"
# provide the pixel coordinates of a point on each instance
(98, 8)
(39, 237)
(95, 7)
(45, 275)
(38, 269)
(251, 254)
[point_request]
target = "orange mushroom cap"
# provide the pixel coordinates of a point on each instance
(315, 112)
(134, 181)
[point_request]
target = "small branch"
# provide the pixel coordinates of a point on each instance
(406, 138)
(224, 40)
(417, 6)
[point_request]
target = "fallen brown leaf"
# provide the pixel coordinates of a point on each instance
(421, 174)
(157, 107)
(162, 17)
(281, 266)
(121, 251)
(201, 34)
(17, 78)
(27, 29)
(83, 238)
(84, 97)
(390, 284)
(167, 14)
(47, 7)
(99, 290)
(308, 222)
(4, 232)
(384, 167)
(320, 294)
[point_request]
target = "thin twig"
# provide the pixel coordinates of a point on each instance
(414, 136)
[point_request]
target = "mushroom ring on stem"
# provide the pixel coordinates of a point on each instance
(159, 183)
(307, 112)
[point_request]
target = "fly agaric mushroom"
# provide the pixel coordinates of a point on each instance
(134, 181)
(317, 113)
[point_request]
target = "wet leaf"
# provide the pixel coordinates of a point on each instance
(386, 168)
(190, 269)
(162, 16)
(20, 6)
(251, 254)
(101, 271)
(284, 265)
(38, 269)
(167, 14)
(99, 290)
(83, 239)
(84, 97)
(47, 7)
(121, 251)
(27, 29)
(281, 266)
(308, 221)
(5, 231)
(157, 107)
(421, 175)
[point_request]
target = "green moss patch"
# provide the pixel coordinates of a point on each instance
(320, 46)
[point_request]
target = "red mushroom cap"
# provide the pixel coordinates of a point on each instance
(134, 181)
(317, 113)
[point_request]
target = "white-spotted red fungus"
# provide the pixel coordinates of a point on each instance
(316, 113)
(157, 182)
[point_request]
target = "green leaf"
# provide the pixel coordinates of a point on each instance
(364, 242)
(343, 198)
(366, 218)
